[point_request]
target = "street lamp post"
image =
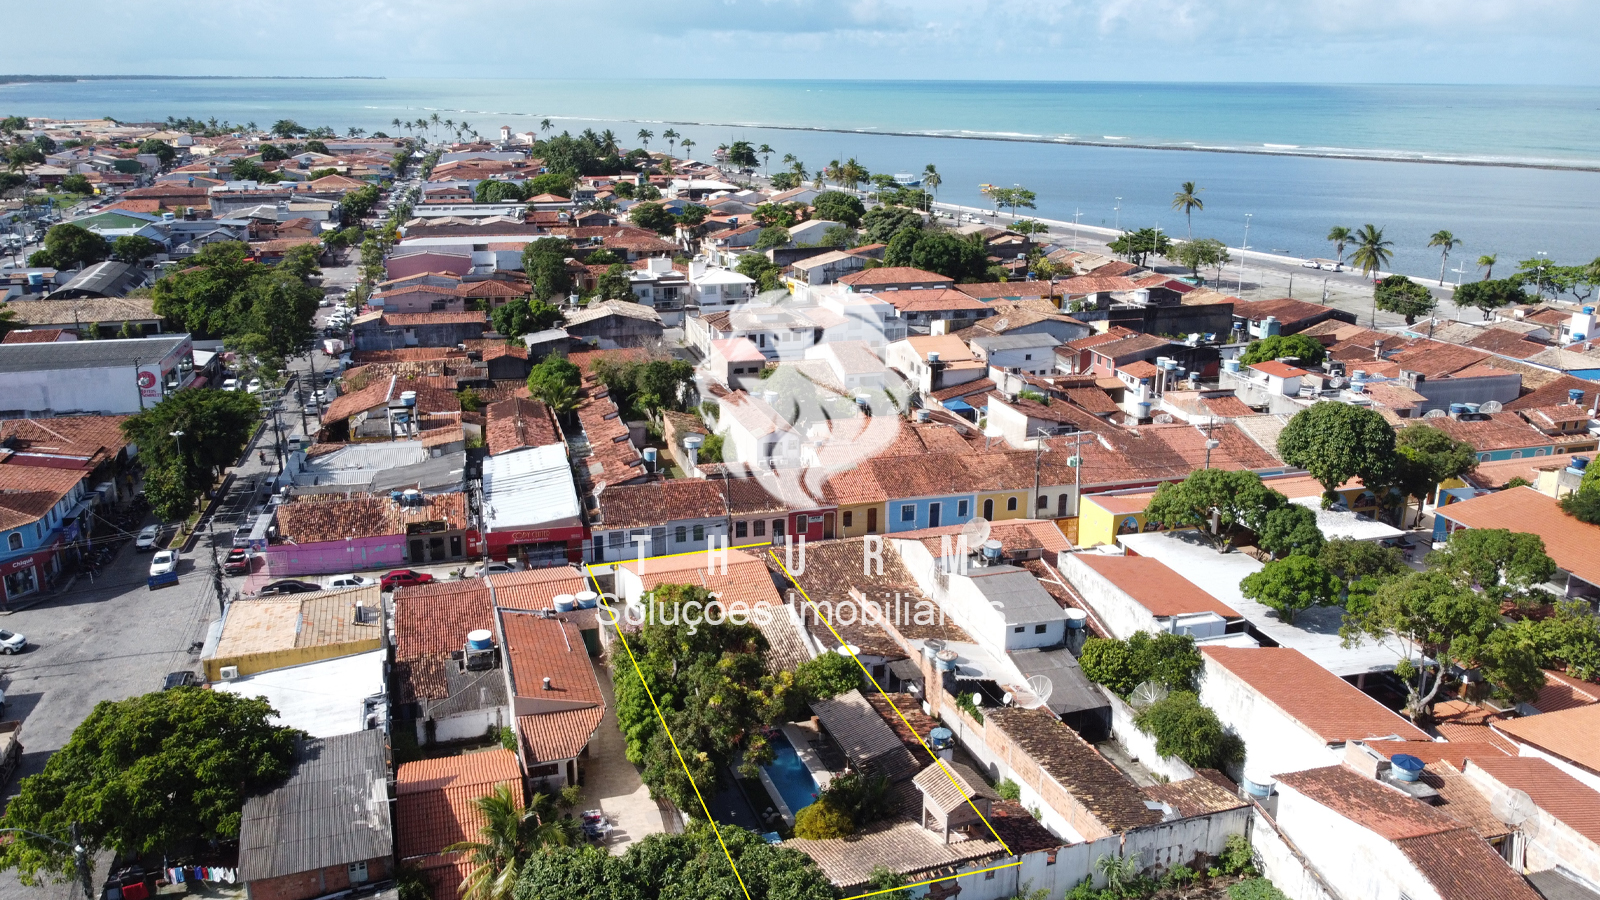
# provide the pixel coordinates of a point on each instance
(1118, 210)
(1242, 248)
(1539, 276)
(1076, 214)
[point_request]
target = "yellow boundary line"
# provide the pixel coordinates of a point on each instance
(589, 570)
(674, 741)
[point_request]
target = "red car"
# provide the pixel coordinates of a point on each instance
(405, 578)
(237, 563)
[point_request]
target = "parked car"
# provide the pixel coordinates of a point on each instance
(347, 581)
(180, 679)
(12, 642)
(146, 541)
(231, 384)
(405, 578)
(241, 536)
(288, 586)
(496, 568)
(254, 387)
(163, 563)
(237, 563)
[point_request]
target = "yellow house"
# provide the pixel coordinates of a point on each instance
(856, 519)
(1104, 517)
(267, 633)
(999, 505)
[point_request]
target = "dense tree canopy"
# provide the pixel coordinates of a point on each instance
(1288, 530)
(653, 216)
(1290, 585)
(1335, 442)
(215, 426)
(1216, 502)
(132, 248)
(1169, 660)
(1185, 728)
(545, 263)
(1308, 350)
(71, 247)
(1426, 457)
(1490, 295)
(258, 308)
(961, 258)
(147, 775)
(1399, 294)
(838, 206)
(519, 317)
(883, 222)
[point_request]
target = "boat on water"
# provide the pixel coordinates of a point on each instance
(907, 180)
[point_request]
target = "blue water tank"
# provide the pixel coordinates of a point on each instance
(587, 599)
(481, 639)
(1407, 767)
(1457, 409)
(941, 738)
(566, 603)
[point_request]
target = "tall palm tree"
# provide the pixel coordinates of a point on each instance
(1340, 236)
(854, 173)
(645, 135)
(834, 171)
(507, 838)
(687, 145)
(766, 157)
(395, 123)
(1486, 263)
(545, 126)
(608, 140)
(931, 179)
(450, 125)
(1446, 242)
(671, 137)
(434, 121)
(1188, 199)
(1371, 251)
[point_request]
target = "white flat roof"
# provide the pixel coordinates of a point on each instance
(1315, 631)
(528, 487)
(1342, 523)
(323, 698)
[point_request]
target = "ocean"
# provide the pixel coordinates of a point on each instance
(1512, 171)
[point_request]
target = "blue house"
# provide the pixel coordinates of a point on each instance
(929, 512)
(39, 518)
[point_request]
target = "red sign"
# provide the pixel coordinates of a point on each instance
(16, 565)
(148, 383)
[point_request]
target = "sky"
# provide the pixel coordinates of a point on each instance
(1321, 41)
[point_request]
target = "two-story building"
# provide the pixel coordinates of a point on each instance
(40, 510)
(657, 518)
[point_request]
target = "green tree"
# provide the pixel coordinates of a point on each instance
(827, 676)
(22, 155)
(742, 154)
(520, 316)
(1567, 640)
(71, 246)
(764, 271)
(317, 147)
(1308, 350)
(215, 426)
(837, 206)
(883, 222)
(1335, 442)
(653, 216)
(864, 797)
(1426, 458)
(1204, 252)
(271, 153)
(1288, 530)
(1169, 660)
(508, 836)
(1139, 246)
(882, 882)
(133, 248)
(1446, 242)
(1290, 585)
(1503, 564)
(614, 284)
(1215, 502)
(1490, 295)
(1487, 262)
(545, 263)
(1186, 728)
(823, 821)
(77, 184)
(287, 128)
(1360, 566)
(774, 215)
(147, 775)
(1339, 236)
(558, 183)
(771, 237)
(941, 252)
(1371, 252)
(1399, 294)
(1187, 198)
(496, 191)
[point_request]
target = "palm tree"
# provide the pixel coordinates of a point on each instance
(1340, 236)
(545, 126)
(450, 125)
(833, 170)
(1188, 199)
(433, 120)
(1446, 242)
(508, 836)
(687, 144)
(395, 123)
(608, 140)
(645, 135)
(931, 179)
(671, 137)
(1371, 252)
(1486, 263)
(854, 173)
(766, 157)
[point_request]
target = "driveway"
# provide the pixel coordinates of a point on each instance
(612, 784)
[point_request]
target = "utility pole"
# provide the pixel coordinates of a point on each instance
(1242, 248)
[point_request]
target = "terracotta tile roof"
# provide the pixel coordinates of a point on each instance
(1436, 359)
(537, 648)
(746, 584)
(433, 798)
(894, 275)
(1196, 796)
(554, 736)
(993, 289)
(1104, 791)
(431, 397)
(1555, 393)
(1385, 811)
(1115, 267)
(1393, 394)
(1569, 734)
(1460, 722)
(660, 502)
(1323, 703)
(406, 354)
(1278, 369)
(59, 441)
(1574, 545)
(1139, 369)
(517, 423)
(1460, 866)
(950, 785)
(1130, 345)
(833, 575)
(1505, 343)
(487, 349)
(1562, 691)
(1501, 431)
(1095, 284)
(435, 318)
(1564, 797)
(33, 336)
(931, 300)
(1155, 586)
(1286, 311)
(1227, 406)
(1115, 333)
(319, 518)
(1014, 535)
(535, 588)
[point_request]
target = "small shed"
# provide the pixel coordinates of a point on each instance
(954, 797)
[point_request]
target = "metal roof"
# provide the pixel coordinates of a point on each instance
(1070, 690)
(333, 810)
(103, 279)
(864, 737)
(87, 354)
(1024, 600)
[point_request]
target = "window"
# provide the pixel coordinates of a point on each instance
(1044, 502)
(961, 509)
(680, 534)
(1040, 629)
(761, 528)
(1011, 504)
(1027, 356)
(1050, 858)
(1021, 628)
(849, 519)
(777, 528)
(38, 531)
(908, 513)
(616, 539)
(1516, 454)
(15, 540)
(699, 532)
(741, 529)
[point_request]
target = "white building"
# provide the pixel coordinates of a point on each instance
(1003, 607)
(1030, 354)
(1131, 594)
(108, 377)
(758, 436)
(715, 288)
(856, 366)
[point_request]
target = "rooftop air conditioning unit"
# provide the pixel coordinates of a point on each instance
(230, 673)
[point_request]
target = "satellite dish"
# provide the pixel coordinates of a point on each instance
(976, 532)
(1038, 692)
(1516, 808)
(1435, 414)
(1146, 695)
(1493, 406)
(1162, 419)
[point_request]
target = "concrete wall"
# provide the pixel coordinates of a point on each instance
(333, 557)
(1118, 611)
(1442, 393)
(1553, 843)
(1354, 861)
(112, 390)
(1141, 746)
(462, 726)
(251, 663)
(1273, 742)
(1280, 864)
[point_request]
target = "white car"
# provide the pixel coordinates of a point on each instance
(495, 568)
(348, 581)
(254, 387)
(11, 642)
(147, 538)
(164, 563)
(232, 384)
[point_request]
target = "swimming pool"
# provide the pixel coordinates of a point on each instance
(790, 775)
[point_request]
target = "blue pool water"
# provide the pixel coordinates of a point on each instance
(791, 776)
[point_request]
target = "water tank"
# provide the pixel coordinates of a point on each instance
(1258, 783)
(1077, 619)
(993, 551)
(411, 497)
(481, 639)
(933, 356)
(1231, 365)
(566, 603)
(1163, 362)
(1407, 767)
(1575, 396)
(1580, 463)
(396, 495)
(650, 456)
(408, 398)
(1472, 407)
(1141, 410)
(946, 660)
(1270, 326)
(1588, 310)
(1457, 409)
(587, 599)
(694, 441)
(941, 738)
